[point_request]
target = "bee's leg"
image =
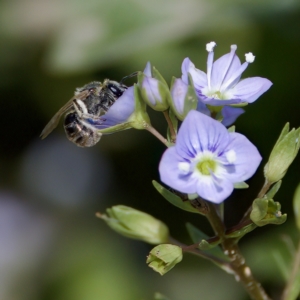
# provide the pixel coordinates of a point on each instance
(81, 110)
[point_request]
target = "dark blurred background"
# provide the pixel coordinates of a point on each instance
(51, 244)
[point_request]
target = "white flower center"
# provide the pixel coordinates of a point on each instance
(217, 94)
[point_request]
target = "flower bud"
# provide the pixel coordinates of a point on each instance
(135, 224)
(283, 154)
(163, 258)
(184, 98)
(154, 89)
(266, 211)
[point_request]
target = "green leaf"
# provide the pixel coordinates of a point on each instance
(174, 199)
(272, 192)
(296, 206)
(240, 185)
(283, 133)
(200, 237)
(158, 76)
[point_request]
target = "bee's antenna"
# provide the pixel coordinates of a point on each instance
(129, 76)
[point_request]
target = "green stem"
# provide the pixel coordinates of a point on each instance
(237, 265)
(157, 134)
(171, 127)
(193, 249)
(292, 288)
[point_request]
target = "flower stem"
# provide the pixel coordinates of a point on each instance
(193, 249)
(156, 134)
(289, 291)
(237, 265)
(170, 124)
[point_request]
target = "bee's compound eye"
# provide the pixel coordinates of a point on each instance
(116, 90)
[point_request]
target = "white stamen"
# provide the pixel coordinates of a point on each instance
(233, 47)
(184, 167)
(249, 57)
(210, 46)
(231, 156)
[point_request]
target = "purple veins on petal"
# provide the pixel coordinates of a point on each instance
(207, 159)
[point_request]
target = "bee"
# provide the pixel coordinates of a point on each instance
(84, 108)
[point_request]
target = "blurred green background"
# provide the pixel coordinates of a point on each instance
(51, 244)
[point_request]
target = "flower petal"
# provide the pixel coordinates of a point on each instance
(147, 70)
(250, 89)
(199, 132)
(172, 176)
(247, 158)
(152, 89)
(214, 192)
(119, 112)
(201, 107)
(223, 68)
(199, 77)
(217, 102)
(230, 114)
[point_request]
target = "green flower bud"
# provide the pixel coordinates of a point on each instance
(163, 258)
(266, 211)
(154, 89)
(283, 154)
(135, 224)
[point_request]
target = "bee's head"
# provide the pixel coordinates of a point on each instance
(115, 87)
(93, 87)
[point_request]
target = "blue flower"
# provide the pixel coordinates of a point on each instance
(119, 113)
(221, 85)
(207, 159)
(181, 95)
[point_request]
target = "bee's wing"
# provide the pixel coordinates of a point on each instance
(55, 119)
